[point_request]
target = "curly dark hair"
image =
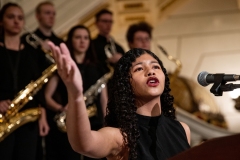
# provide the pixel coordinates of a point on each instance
(121, 109)
(141, 26)
(90, 56)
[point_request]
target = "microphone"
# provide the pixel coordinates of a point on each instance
(204, 78)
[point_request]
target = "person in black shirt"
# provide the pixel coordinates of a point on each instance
(79, 44)
(104, 21)
(45, 15)
(140, 122)
(19, 65)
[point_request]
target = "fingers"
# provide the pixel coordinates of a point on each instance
(63, 60)
(64, 50)
(56, 55)
(8, 102)
(43, 131)
(43, 127)
(4, 105)
(67, 67)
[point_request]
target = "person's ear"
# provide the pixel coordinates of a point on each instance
(37, 15)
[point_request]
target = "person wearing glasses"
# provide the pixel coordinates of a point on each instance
(104, 22)
(139, 35)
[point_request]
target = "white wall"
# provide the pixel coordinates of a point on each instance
(205, 36)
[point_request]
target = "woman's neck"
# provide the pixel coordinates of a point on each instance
(12, 41)
(79, 57)
(149, 108)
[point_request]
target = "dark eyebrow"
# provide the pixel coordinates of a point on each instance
(155, 62)
(142, 63)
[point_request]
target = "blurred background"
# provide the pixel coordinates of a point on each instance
(203, 34)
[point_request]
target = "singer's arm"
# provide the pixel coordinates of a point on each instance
(81, 138)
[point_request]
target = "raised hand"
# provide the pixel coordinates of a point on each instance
(67, 69)
(114, 59)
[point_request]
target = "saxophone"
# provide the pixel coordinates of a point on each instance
(110, 49)
(89, 97)
(13, 119)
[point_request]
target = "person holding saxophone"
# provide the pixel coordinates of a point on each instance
(45, 16)
(19, 65)
(104, 22)
(81, 49)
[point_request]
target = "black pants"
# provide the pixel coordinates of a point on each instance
(57, 144)
(21, 144)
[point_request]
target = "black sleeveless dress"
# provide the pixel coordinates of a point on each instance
(160, 138)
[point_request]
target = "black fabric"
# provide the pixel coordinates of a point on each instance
(50, 138)
(29, 69)
(57, 145)
(22, 143)
(99, 44)
(160, 138)
(90, 74)
(52, 38)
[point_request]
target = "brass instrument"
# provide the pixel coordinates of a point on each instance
(21, 118)
(176, 61)
(89, 97)
(35, 41)
(13, 119)
(189, 96)
(110, 49)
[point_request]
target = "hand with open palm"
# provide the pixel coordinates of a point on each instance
(67, 70)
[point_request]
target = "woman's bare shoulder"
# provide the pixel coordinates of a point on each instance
(187, 131)
(115, 138)
(112, 133)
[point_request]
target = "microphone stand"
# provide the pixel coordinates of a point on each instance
(220, 85)
(230, 87)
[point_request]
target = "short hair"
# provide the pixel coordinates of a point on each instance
(141, 26)
(38, 8)
(101, 12)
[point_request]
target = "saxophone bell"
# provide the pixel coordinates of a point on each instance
(61, 121)
(13, 119)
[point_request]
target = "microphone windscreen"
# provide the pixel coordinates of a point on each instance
(202, 78)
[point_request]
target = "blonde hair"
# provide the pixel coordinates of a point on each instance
(38, 8)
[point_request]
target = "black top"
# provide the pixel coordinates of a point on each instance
(160, 138)
(46, 61)
(17, 70)
(99, 44)
(90, 74)
(52, 38)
